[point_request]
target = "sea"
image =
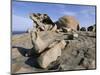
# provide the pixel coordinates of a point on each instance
(17, 32)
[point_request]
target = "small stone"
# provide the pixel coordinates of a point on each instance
(75, 35)
(65, 29)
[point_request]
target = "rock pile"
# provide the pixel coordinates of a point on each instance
(47, 42)
(58, 46)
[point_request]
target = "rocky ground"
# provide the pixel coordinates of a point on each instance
(78, 54)
(59, 46)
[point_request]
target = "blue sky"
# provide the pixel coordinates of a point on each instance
(21, 10)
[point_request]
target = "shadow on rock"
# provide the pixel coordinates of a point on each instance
(32, 61)
(23, 51)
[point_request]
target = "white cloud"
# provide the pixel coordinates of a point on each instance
(89, 11)
(68, 13)
(64, 11)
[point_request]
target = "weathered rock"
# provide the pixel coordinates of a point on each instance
(15, 68)
(69, 22)
(65, 29)
(24, 70)
(44, 18)
(87, 34)
(54, 28)
(38, 43)
(48, 37)
(71, 57)
(51, 55)
(75, 35)
(92, 28)
(28, 41)
(42, 21)
(22, 40)
(79, 52)
(83, 29)
(47, 45)
(41, 42)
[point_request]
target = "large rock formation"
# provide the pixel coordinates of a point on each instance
(42, 21)
(53, 49)
(69, 22)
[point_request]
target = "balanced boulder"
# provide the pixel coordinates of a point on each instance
(69, 22)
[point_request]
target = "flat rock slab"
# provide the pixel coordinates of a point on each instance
(22, 40)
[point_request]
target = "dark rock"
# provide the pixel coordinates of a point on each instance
(83, 29)
(92, 28)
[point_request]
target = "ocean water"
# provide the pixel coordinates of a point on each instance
(17, 32)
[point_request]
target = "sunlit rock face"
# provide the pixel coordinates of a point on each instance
(69, 22)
